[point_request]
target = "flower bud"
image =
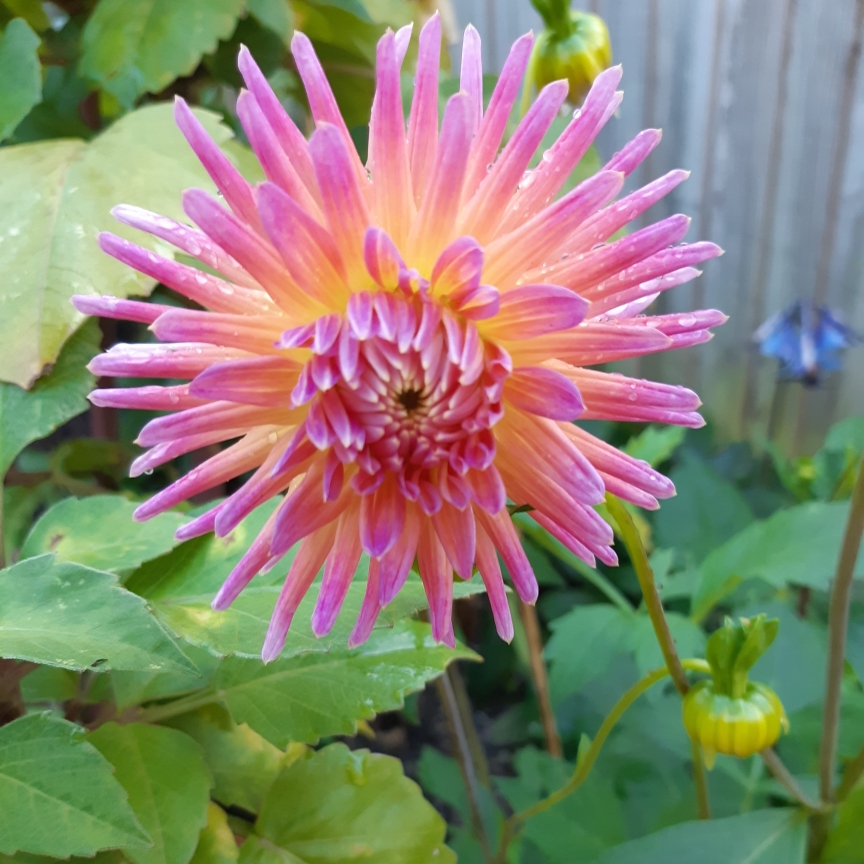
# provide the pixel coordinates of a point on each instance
(730, 714)
(737, 727)
(573, 46)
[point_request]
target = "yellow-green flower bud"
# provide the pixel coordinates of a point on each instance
(737, 727)
(730, 714)
(573, 46)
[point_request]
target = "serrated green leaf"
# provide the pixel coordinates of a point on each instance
(100, 532)
(580, 827)
(57, 793)
(244, 765)
(181, 585)
(763, 837)
(276, 15)
(583, 644)
(216, 845)
(20, 75)
(688, 637)
(63, 614)
(706, 512)
(340, 805)
(27, 416)
(307, 697)
(797, 546)
(55, 198)
(168, 784)
(130, 47)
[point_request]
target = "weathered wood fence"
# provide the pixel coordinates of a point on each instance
(763, 101)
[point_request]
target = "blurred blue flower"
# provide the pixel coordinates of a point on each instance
(805, 339)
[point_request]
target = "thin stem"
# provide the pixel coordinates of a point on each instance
(786, 780)
(583, 769)
(475, 745)
(464, 759)
(528, 615)
(158, 713)
(653, 604)
(838, 623)
(851, 775)
(700, 781)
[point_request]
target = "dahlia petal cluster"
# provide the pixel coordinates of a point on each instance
(400, 348)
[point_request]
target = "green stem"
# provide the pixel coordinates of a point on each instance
(653, 604)
(464, 759)
(583, 769)
(783, 776)
(838, 624)
(700, 781)
(158, 713)
(528, 616)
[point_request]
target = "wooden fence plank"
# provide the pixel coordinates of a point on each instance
(750, 95)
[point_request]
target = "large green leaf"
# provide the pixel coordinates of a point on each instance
(26, 416)
(244, 765)
(583, 644)
(63, 614)
(274, 14)
(655, 444)
(168, 783)
(181, 585)
(306, 697)
(20, 75)
(706, 511)
(132, 47)
(589, 638)
(798, 546)
(762, 837)
(846, 842)
(338, 806)
(216, 845)
(100, 532)
(55, 198)
(58, 795)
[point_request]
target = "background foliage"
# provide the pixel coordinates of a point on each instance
(139, 726)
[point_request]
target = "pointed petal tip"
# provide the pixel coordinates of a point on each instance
(269, 653)
(300, 38)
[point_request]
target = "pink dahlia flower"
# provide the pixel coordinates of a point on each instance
(402, 347)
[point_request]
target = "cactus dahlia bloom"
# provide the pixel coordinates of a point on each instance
(401, 347)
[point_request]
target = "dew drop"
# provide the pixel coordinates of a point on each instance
(687, 320)
(148, 471)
